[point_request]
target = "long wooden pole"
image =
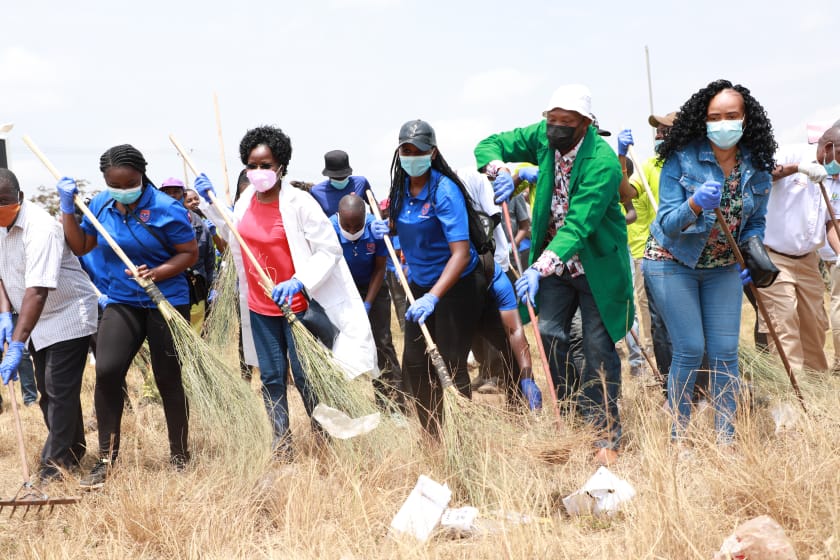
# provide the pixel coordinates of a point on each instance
(632, 153)
(650, 83)
(762, 309)
(222, 149)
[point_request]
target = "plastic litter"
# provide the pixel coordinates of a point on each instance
(340, 425)
(422, 510)
(602, 494)
(760, 538)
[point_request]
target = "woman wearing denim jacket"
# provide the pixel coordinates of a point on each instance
(718, 155)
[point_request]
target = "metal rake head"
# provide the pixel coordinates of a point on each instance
(31, 496)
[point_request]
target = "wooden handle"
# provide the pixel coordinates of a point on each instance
(632, 153)
(19, 432)
(222, 148)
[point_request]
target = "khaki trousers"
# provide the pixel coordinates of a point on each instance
(795, 304)
(834, 306)
(642, 313)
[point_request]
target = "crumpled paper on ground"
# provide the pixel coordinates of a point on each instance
(602, 494)
(760, 538)
(422, 510)
(785, 416)
(341, 426)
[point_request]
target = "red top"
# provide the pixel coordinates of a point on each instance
(262, 230)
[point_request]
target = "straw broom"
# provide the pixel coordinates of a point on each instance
(227, 413)
(325, 374)
(474, 436)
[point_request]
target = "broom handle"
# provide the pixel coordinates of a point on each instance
(533, 316)
(632, 153)
(151, 289)
(265, 280)
(19, 432)
(762, 309)
(431, 347)
(653, 368)
(830, 210)
(222, 148)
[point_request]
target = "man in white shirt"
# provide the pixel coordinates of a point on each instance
(797, 224)
(44, 283)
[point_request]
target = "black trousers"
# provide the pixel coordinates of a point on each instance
(397, 294)
(452, 326)
(390, 382)
(491, 347)
(122, 330)
(58, 374)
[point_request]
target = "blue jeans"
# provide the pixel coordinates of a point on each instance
(701, 309)
(560, 297)
(275, 351)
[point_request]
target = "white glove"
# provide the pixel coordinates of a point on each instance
(815, 172)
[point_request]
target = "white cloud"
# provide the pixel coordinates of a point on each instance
(366, 3)
(28, 81)
(498, 84)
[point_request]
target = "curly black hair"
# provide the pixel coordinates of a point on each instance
(276, 140)
(690, 125)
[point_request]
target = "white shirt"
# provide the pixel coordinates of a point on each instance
(33, 254)
(481, 191)
(796, 213)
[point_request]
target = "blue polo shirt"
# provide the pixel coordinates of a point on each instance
(167, 218)
(328, 196)
(502, 290)
(361, 254)
(426, 228)
(93, 263)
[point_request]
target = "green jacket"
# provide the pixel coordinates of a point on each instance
(594, 229)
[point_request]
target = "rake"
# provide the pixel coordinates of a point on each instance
(228, 412)
(29, 494)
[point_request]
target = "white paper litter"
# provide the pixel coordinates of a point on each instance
(459, 519)
(603, 493)
(341, 426)
(786, 416)
(422, 510)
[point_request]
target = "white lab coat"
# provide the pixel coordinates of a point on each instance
(320, 266)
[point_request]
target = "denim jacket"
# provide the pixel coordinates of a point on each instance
(677, 228)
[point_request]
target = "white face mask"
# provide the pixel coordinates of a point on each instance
(351, 236)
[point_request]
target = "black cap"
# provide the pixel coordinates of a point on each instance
(599, 130)
(419, 133)
(337, 164)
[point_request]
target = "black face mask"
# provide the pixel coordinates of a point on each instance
(561, 138)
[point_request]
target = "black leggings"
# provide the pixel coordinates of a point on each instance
(452, 325)
(122, 330)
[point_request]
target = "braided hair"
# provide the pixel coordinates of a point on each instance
(399, 178)
(277, 141)
(690, 125)
(125, 155)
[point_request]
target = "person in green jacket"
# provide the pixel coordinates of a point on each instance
(578, 248)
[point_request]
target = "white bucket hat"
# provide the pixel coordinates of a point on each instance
(573, 97)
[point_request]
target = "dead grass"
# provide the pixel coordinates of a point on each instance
(332, 504)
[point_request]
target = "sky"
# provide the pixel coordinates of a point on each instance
(81, 77)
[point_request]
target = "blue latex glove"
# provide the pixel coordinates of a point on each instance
(367, 307)
(103, 301)
(422, 308)
(6, 328)
(503, 186)
(527, 286)
(204, 187)
(211, 227)
(707, 196)
(11, 362)
(285, 291)
(745, 276)
(66, 191)
(211, 297)
(625, 140)
(379, 228)
(529, 174)
(532, 393)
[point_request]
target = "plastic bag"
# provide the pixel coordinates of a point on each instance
(422, 510)
(760, 538)
(603, 493)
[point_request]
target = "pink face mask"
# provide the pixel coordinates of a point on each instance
(262, 179)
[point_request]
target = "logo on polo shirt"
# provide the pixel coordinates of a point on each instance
(145, 215)
(371, 248)
(424, 211)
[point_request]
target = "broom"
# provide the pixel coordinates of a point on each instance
(229, 414)
(470, 431)
(326, 376)
(29, 494)
(760, 304)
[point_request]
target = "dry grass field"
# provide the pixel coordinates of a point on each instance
(333, 502)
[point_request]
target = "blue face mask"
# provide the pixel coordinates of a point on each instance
(832, 167)
(416, 165)
(126, 196)
(338, 185)
(656, 144)
(725, 134)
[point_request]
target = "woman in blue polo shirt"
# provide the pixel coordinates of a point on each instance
(429, 213)
(154, 231)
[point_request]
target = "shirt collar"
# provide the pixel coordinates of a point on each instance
(424, 192)
(20, 219)
(571, 155)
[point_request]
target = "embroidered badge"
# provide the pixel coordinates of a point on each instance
(145, 215)
(424, 211)
(371, 248)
